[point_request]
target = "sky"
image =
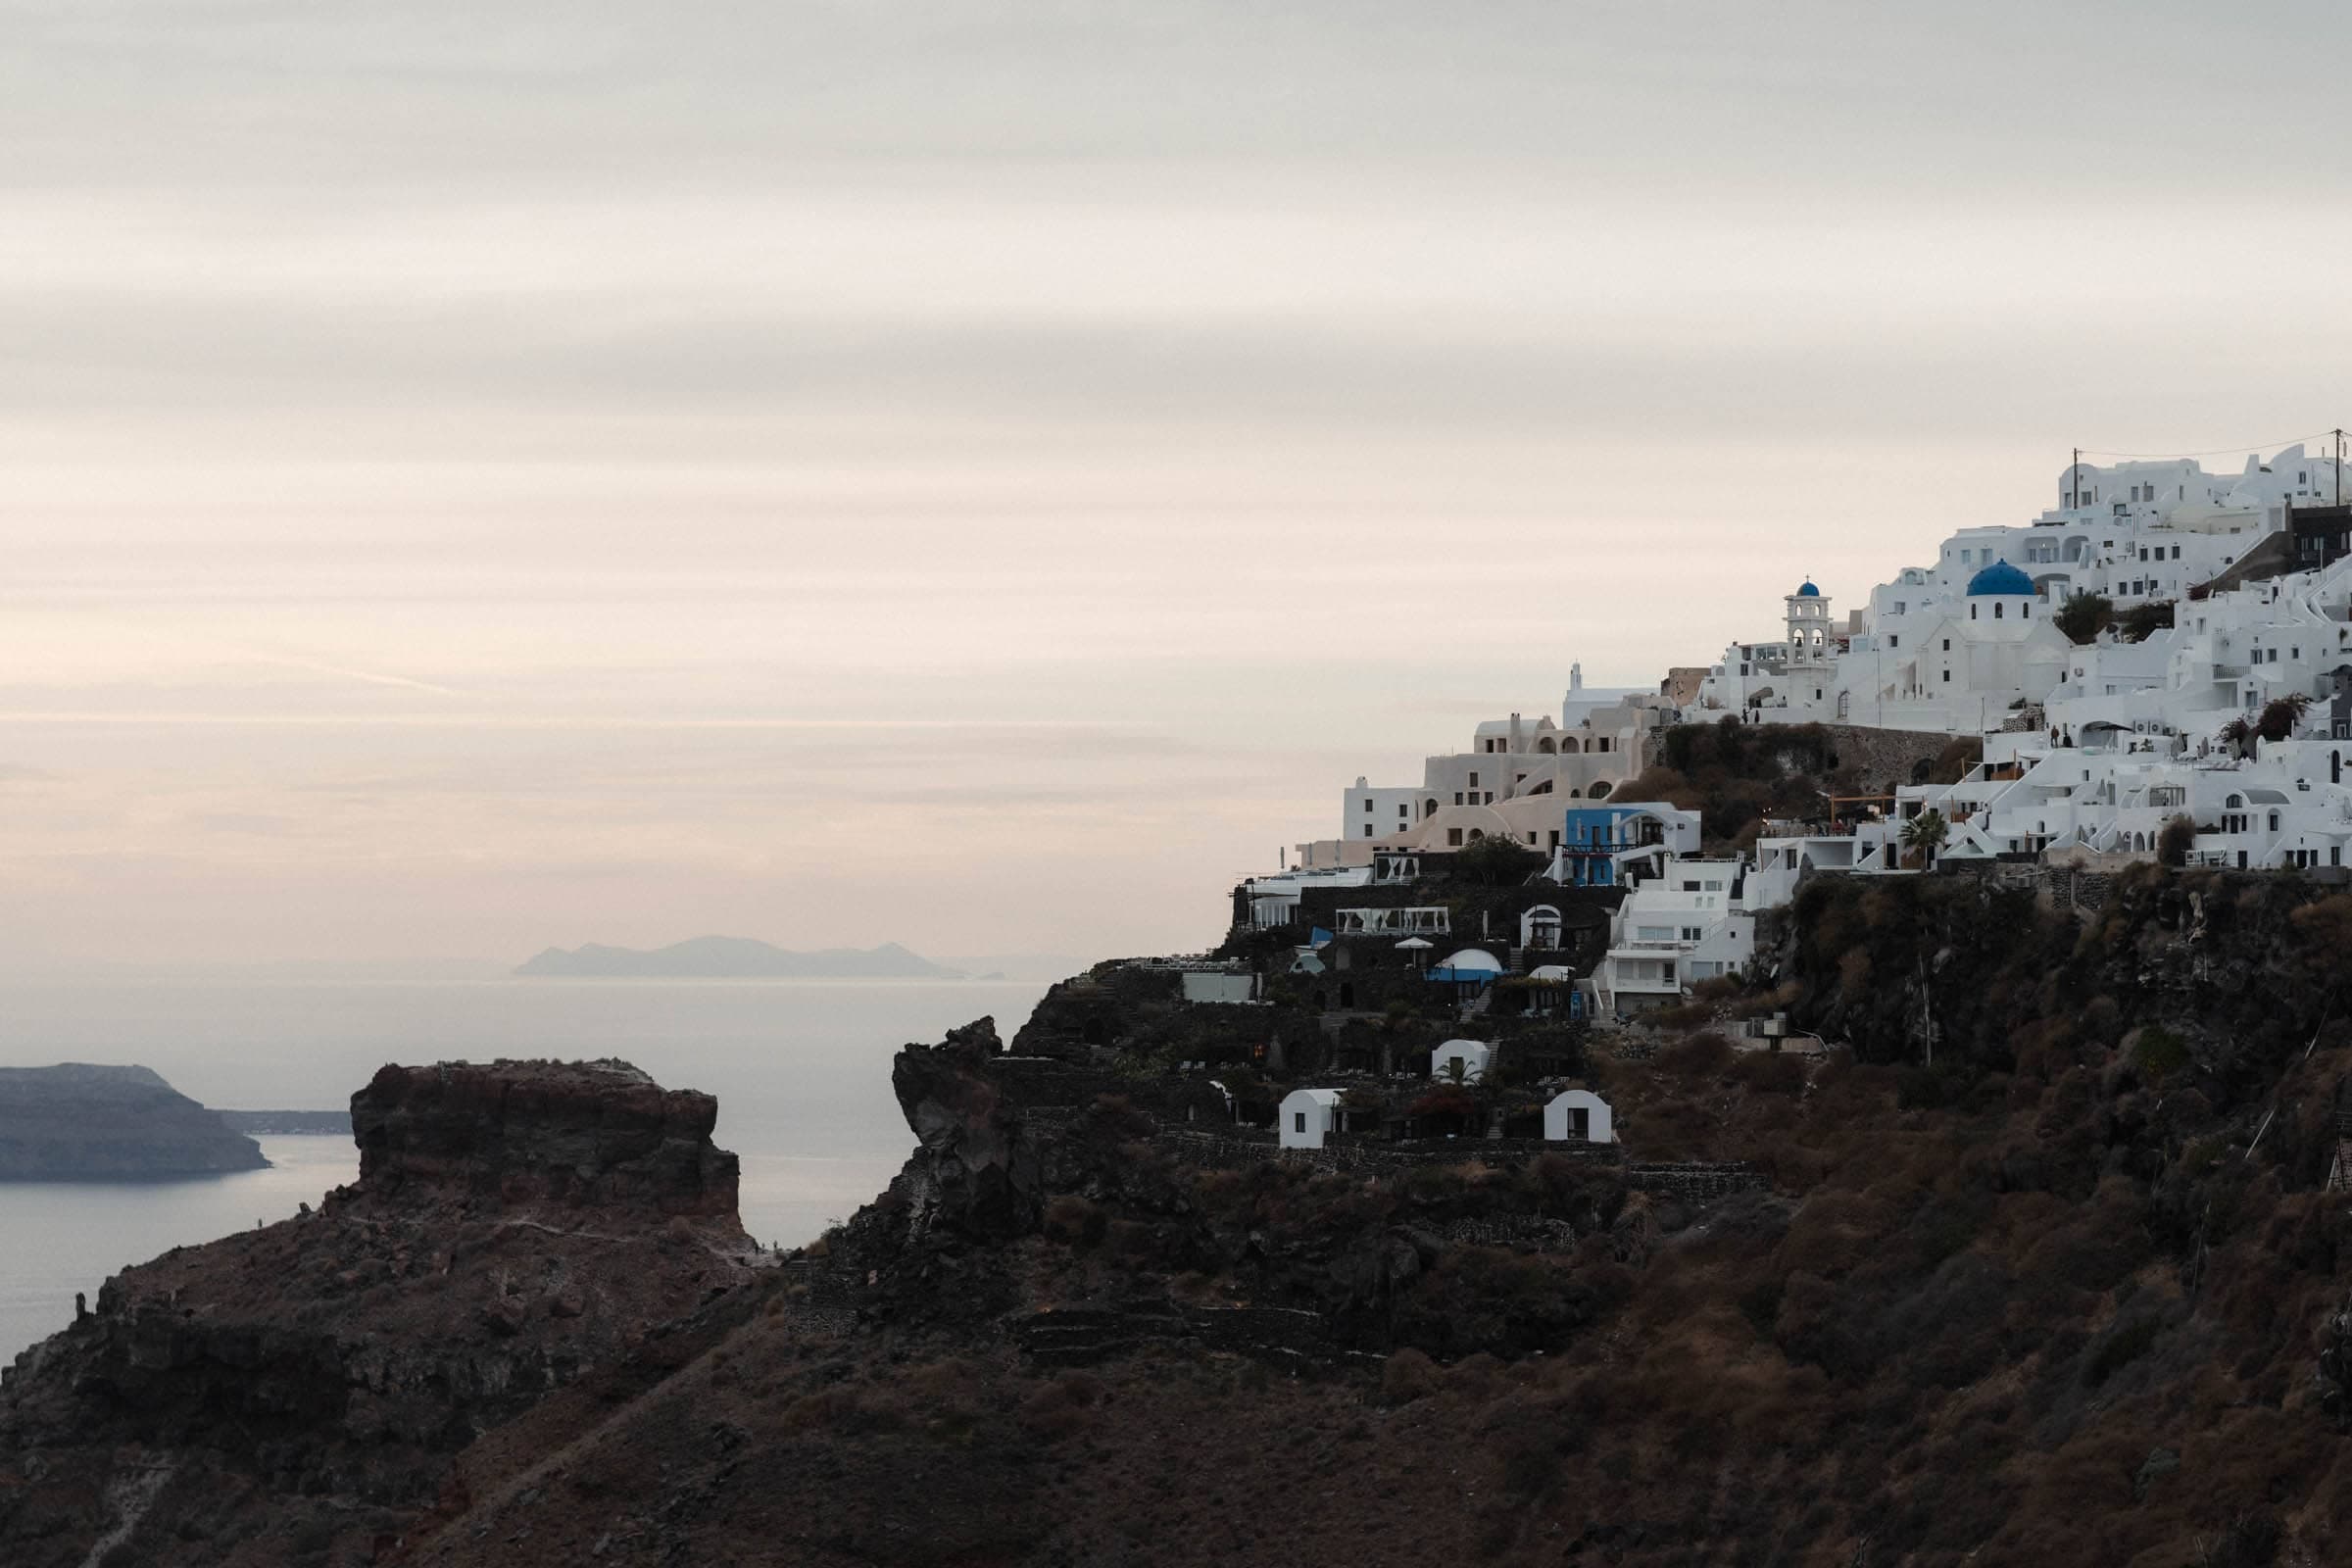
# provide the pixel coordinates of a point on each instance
(986, 477)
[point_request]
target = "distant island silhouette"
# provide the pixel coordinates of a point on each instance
(733, 958)
(79, 1121)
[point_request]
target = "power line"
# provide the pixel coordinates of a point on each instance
(2209, 452)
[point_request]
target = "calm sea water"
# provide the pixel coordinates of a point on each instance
(801, 1068)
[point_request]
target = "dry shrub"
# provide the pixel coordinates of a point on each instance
(1118, 1115)
(1477, 1377)
(1682, 1016)
(1770, 1072)
(825, 1410)
(1526, 1434)
(2101, 1022)
(1699, 1055)
(1834, 1233)
(1074, 1221)
(1069, 1405)
(1408, 1376)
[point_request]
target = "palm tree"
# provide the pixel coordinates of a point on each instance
(1924, 834)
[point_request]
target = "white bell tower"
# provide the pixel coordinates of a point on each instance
(1808, 625)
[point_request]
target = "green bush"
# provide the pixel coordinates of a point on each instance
(2084, 615)
(2135, 623)
(2159, 1054)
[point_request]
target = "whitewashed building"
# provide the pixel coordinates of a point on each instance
(2287, 807)
(1307, 1117)
(1509, 783)
(1580, 1117)
(1687, 924)
(1962, 644)
(1473, 1055)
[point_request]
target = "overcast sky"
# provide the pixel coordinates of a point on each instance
(985, 475)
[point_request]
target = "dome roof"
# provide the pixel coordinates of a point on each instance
(1806, 590)
(2000, 578)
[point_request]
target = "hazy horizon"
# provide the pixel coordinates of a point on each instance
(985, 478)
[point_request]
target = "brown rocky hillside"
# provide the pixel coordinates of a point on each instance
(2067, 1292)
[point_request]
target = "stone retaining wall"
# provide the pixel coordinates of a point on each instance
(1690, 1181)
(1083, 1336)
(1694, 1181)
(1885, 756)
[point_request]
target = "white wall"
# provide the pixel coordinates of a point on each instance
(1201, 985)
(1474, 1055)
(1305, 1117)
(1600, 1126)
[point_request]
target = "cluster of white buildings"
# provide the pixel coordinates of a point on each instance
(1511, 782)
(1307, 1119)
(2091, 750)
(1962, 644)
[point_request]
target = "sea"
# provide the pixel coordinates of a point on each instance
(801, 1068)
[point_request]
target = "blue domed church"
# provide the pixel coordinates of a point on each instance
(1926, 656)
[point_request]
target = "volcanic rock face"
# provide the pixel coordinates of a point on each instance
(976, 1171)
(75, 1122)
(584, 1135)
(296, 1393)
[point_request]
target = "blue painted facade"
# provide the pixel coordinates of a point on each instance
(1594, 835)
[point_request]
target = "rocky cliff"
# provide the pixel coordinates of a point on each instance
(297, 1394)
(550, 1136)
(2074, 1292)
(76, 1122)
(2071, 1291)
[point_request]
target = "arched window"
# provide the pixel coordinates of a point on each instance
(1429, 807)
(1972, 611)
(1996, 612)
(1545, 747)
(2273, 822)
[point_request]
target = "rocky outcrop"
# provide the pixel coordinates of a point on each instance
(76, 1122)
(308, 1385)
(577, 1135)
(976, 1170)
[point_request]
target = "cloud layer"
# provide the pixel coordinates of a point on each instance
(843, 472)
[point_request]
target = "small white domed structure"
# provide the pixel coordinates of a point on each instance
(1307, 1117)
(1579, 1116)
(1474, 1056)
